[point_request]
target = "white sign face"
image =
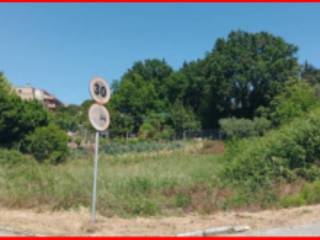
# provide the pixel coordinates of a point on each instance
(99, 117)
(99, 90)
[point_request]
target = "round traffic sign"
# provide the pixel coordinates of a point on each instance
(99, 117)
(99, 90)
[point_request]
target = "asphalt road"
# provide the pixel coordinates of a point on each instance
(304, 230)
(5, 233)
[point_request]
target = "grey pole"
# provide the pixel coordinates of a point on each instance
(95, 175)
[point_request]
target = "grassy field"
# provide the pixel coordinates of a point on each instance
(163, 182)
(279, 169)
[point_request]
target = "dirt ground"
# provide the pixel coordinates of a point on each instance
(78, 222)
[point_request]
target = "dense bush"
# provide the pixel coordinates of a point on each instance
(235, 128)
(297, 98)
(288, 153)
(47, 143)
(156, 127)
(17, 118)
(67, 117)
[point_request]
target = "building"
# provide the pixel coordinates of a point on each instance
(31, 93)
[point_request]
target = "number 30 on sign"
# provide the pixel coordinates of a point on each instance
(99, 90)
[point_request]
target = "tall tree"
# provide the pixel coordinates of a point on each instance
(18, 118)
(241, 73)
(142, 90)
(310, 74)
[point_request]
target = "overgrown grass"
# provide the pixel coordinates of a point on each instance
(193, 177)
(133, 184)
(310, 194)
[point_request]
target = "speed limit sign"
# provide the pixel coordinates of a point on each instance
(99, 90)
(100, 120)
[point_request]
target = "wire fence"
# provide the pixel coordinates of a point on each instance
(87, 137)
(204, 134)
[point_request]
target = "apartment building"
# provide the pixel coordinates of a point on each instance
(31, 93)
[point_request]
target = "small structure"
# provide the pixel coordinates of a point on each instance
(31, 93)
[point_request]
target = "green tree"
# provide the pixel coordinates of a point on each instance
(18, 118)
(47, 143)
(310, 74)
(67, 118)
(297, 98)
(241, 73)
(121, 123)
(5, 87)
(156, 127)
(142, 89)
(183, 118)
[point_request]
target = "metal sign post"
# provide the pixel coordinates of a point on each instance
(100, 120)
(95, 176)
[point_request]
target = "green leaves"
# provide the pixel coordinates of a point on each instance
(236, 128)
(297, 98)
(242, 73)
(19, 118)
(288, 153)
(47, 143)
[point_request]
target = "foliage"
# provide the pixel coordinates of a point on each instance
(67, 118)
(47, 143)
(5, 87)
(288, 153)
(183, 118)
(297, 98)
(235, 128)
(156, 127)
(310, 74)
(310, 194)
(241, 73)
(141, 146)
(13, 157)
(122, 123)
(129, 185)
(19, 118)
(141, 90)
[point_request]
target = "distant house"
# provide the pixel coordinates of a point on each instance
(31, 93)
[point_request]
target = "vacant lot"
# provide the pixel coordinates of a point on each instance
(161, 182)
(78, 222)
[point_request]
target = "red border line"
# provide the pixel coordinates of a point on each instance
(160, 1)
(162, 238)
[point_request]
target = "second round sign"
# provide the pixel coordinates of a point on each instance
(99, 117)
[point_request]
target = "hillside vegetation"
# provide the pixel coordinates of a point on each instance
(249, 87)
(253, 173)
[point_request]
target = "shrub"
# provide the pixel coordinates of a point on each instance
(287, 153)
(310, 194)
(18, 119)
(13, 157)
(261, 125)
(297, 98)
(47, 143)
(235, 128)
(155, 131)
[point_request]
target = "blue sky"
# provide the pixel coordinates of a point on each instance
(60, 47)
